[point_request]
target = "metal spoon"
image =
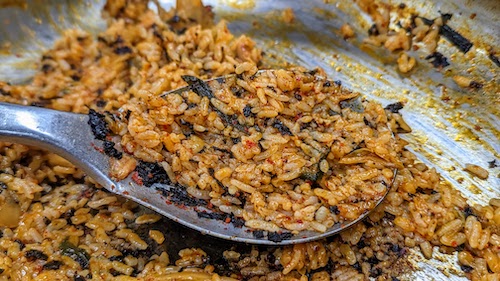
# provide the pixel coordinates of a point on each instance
(70, 136)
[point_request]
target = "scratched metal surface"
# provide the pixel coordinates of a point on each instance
(446, 135)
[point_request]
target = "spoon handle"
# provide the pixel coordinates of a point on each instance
(66, 134)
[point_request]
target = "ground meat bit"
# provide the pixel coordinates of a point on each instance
(394, 107)
(278, 237)
(438, 60)
(98, 125)
(52, 265)
(123, 50)
(111, 151)
(151, 173)
(33, 254)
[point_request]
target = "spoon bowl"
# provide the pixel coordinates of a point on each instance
(70, 136)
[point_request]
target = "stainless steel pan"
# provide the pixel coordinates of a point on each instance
(447, 132)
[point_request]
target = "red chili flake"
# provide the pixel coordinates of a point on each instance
(454, 244)
(210, 205)
(250, 144)
(228, 220)
(168, 202)
(97, 148)
(136, 178)
(297, 117)
(270, 161)
(126, 193)
(477, 128)
(300, 221)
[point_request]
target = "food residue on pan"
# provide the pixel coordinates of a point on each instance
(346, 31)
(476, 170)
(86, 232)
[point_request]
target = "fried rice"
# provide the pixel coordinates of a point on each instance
(280, 149)
(57, 224)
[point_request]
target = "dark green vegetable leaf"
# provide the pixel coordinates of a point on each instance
(78, 254)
